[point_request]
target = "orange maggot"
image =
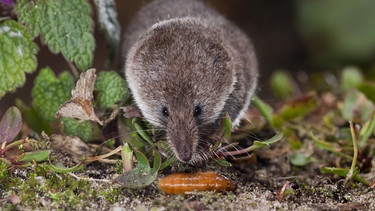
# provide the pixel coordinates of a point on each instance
(200, 181)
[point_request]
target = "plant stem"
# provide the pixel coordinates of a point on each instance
(74, 70)
(355, 155)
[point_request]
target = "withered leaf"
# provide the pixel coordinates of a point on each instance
(71, 145)
(80, 105)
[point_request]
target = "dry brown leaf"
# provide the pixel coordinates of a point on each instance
(80, 105)
(71, 145)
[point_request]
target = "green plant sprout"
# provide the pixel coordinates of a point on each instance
(345, 143)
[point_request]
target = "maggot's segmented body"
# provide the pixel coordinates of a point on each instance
(200, 181)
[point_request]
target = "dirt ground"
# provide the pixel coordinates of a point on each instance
(258, 187)
(260, 182)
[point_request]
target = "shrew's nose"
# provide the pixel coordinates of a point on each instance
(185, 155)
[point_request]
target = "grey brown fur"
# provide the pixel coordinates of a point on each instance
(186, 65)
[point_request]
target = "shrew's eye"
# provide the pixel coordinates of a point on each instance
(165, 111)
(197, 111)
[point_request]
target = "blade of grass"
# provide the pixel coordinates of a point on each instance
(256, 145)
(366, 131)
(349, 176)
(265, 109)
(328, 146)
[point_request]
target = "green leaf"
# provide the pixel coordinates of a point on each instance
(356, 105)
(295, 109)
(224, 132)
(332, 147)
(343, 172)
(256, 145)
(260, 144)
(351, 77)
(265, 109)
(299, 159)
(366, 131)
(33, 118)
(156, 164)
(142, 175)
(108, 23)
(368, 89)
(50, 92)
(17, 55)
(65, 26)
(168, 162)
(74, 127)
(142, 133)
(38, 156)
(223, 162)
(226, 127)
(111, 87)
(282, 84)
(62, 169)
(10, 125)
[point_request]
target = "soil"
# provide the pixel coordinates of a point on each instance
(259, 181)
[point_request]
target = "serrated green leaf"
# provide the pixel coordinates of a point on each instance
(38, 156)
(17, 55)
(108, 23)
(111, 87)
(74, 127)
(50, 92)
(65, 26)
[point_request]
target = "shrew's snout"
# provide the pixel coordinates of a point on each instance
(182, 145)
(185, 155)
(182, 135)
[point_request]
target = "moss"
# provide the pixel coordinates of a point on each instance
(112, 195)
(64, 190)
(119, 168)
(4, 176)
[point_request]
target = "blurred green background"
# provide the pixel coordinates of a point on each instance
(297, 35)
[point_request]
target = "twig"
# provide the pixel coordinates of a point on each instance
(92, 159)
(90, 179)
